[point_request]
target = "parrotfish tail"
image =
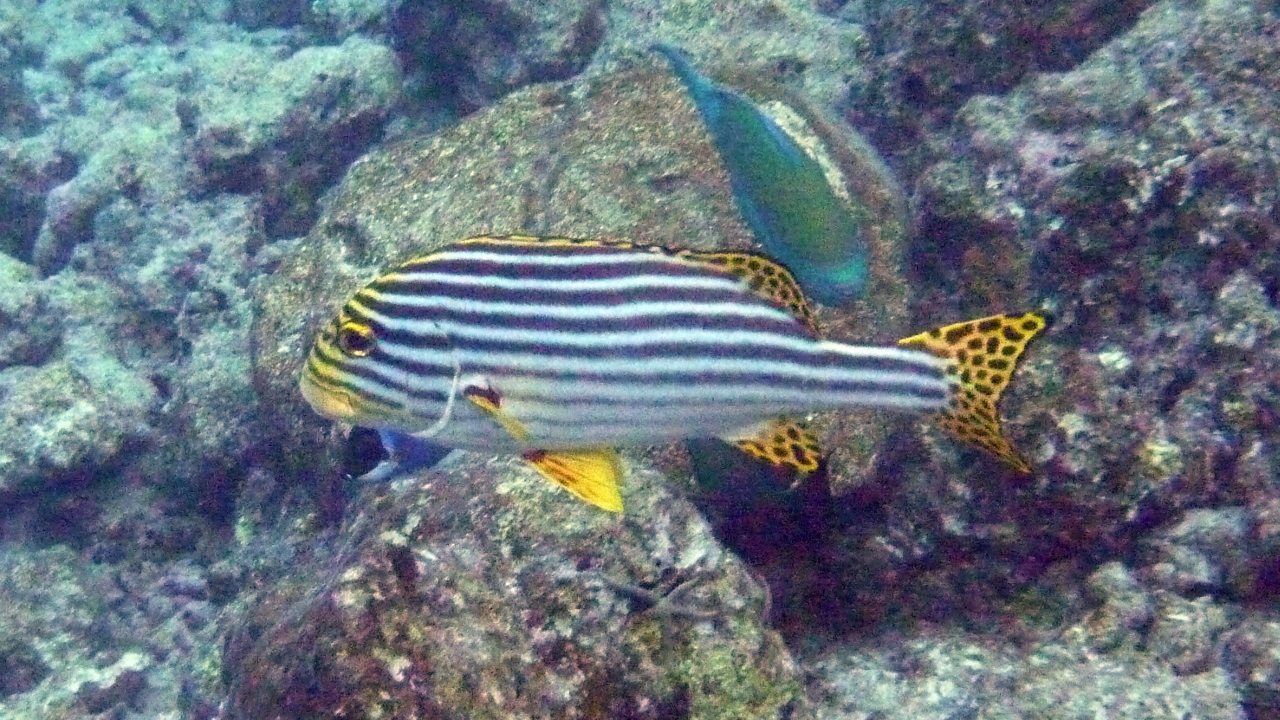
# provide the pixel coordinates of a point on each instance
(981, 356)
(706, 94)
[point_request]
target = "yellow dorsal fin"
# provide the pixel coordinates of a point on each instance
(764, 277)
(552, 240)
(981, 357)
(519, 241)
(782, 441)
(592, 475)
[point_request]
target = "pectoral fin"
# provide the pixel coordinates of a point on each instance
(488, 400)
(981, 357)
(783, 441)
(592, 475)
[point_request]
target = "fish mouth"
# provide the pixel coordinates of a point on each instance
(327, 401)
(335, 402)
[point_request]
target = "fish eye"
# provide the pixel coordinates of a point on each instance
(355, 339)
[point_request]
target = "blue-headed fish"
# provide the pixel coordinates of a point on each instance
(560, 349)
(784, 193)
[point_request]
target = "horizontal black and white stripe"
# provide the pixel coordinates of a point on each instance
(590, 345)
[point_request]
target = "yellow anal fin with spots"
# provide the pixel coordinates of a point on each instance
(981, 358)
(783, 441)
(592, 475)
(764, 277)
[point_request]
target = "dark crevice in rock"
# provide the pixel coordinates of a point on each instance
(459, 57)
(930, 59)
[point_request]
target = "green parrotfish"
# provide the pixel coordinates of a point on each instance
(783, 192)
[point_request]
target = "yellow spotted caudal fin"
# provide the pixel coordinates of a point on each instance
(981, 357)
(592, 475)
(764, 277)
(783, 441)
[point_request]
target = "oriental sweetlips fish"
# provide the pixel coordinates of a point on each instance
(560, 349)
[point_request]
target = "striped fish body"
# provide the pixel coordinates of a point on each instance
(511, 343)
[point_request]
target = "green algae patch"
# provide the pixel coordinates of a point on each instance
(725, 684)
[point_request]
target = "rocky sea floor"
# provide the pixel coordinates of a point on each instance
(188, 189)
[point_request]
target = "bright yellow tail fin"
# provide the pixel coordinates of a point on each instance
(982, 356)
